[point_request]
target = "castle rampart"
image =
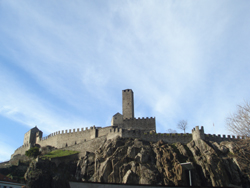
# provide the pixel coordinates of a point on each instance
(219, 138)
(89, 139)
(126, 126)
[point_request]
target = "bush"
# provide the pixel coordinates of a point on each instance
(33, 152)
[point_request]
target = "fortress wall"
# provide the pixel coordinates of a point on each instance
(50, 140)
(21, 150)
(26, 139)
(220, 138)
(155, 137)
(89, 145)
(114, 132)
(168, 138)
(104, 131)
(146, 124)
(69, 137)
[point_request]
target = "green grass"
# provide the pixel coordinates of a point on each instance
(59, 153)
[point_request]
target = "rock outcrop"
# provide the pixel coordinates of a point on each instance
(134, 161)
(47, 174)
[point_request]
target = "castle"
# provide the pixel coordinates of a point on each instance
(124, 125)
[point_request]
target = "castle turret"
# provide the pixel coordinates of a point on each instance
(127, 104)
(198, 133)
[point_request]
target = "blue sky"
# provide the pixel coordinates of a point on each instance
(64, 64)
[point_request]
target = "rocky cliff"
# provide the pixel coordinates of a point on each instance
(133, 161)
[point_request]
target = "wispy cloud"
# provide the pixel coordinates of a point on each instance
(64, 65)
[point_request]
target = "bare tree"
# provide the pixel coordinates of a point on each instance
(182, 125)
(241, 151)
(239, 122)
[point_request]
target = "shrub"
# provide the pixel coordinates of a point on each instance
(33, 152)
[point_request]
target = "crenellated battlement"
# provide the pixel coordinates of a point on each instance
(139, 119)
(122, 125)
(69, 131)
(198, 133)
(71, 137)
(219, 138)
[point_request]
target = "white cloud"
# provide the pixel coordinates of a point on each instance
(6, 151)
(19, 104)
(173, 54)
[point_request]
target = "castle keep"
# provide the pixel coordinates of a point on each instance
(123, 125)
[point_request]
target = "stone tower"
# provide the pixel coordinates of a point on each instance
(128, 104)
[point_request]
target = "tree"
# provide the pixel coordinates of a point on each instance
(239, 122)
(182, 125)
(241, 152)
(33, 152)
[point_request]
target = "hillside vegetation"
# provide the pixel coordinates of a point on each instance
(58, 153)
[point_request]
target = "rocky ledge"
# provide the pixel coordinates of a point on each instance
(133, 161)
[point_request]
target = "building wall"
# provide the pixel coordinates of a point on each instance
(146, 124)
(155, 137)
(117, 119)
(30, 136)
(26, 139)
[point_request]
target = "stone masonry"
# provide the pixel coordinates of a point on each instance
(123, 125)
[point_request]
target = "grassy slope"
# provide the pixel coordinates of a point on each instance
(59, 153)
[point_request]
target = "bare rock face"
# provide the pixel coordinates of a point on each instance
(133, 161)
(45, 174)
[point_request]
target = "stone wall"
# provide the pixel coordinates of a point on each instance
(128, 103)
(145, 124)
(155, 137)
(198, 133)
(30, 136)
(220, 138)
(89, 145)
(90, 139)
(21, 150)
(69, 137)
